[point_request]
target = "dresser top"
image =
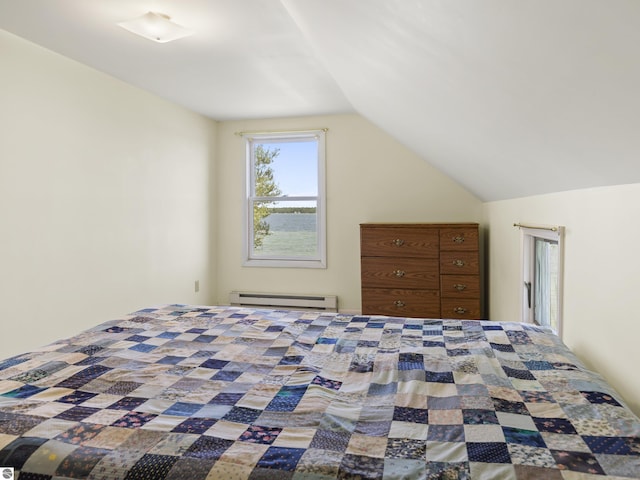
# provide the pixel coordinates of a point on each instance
(421, 225)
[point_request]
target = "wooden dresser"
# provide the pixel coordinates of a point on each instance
(420, 270)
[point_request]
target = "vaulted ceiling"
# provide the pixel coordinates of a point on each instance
(510, 98)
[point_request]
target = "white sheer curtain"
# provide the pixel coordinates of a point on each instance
(542, 288)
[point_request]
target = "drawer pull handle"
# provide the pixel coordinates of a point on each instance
(458, 239)
(399, 273)
(399, 303)
(459, 310)
(398, 242)
(460, 286)
(458, 263)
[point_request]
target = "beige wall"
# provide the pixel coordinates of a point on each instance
(370, 178)
(104, 198)
(601, 274)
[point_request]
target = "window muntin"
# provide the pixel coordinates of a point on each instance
(285, 211)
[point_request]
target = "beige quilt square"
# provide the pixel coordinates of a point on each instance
(483, 433)
(445, 417)
(546, 410)
(163, 423)
(109, 438)
(105, 417)
(560, 441)
(366, 445)
(435, 389)
(229, 471)
(295, 437)
(415, 431)
(243, 453)
(227, 430)
(257, 402)
(513, 420)
(446, 452)
(6, 439)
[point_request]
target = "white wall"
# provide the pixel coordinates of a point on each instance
(370, 178)
(602, 274)
(104, 198)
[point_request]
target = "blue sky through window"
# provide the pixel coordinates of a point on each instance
(296, 168)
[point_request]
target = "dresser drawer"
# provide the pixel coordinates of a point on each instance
(401, 303)
(458, 239)
(399, 242)
(459, 286)
(421, 273)
(459, 263)
(466, 308)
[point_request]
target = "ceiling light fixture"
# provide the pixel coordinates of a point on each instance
(157, 27)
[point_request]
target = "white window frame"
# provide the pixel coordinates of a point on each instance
(320, 259)
(528, 237)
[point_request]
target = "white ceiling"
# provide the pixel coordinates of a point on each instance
(510, 98)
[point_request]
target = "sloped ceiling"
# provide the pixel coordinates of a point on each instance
(510, 98)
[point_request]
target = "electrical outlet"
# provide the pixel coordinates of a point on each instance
(196, 286)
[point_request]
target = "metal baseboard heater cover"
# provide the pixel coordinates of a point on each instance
(327, 303)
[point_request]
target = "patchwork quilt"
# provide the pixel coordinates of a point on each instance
(185, 392)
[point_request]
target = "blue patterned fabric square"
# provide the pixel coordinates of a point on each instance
(77, 413)
(577, 462)
(523, 437)
(555, 425)
(226, 398)
(205, 338)
(538, 365)
(214, 364)
(507, 406)
(226, 376)
(479, 417)
(599, 397)
(519, 374)
(127, 403)
(291, 360)
(411, 361)
(262, 435)
(170, 360)
(137, 338)
(613, 445)
(182, 409)
(242, 415)
(80, 462)
(195, 425)
(407, 414)
(502, 347)
(440, 377)
(24, 391)
(446, 433)
(151, 466)
(281, 458)
(208, 447)
(77, 397)
(143, 347)
(488, 452)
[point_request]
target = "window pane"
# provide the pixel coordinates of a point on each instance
(546, 283)
(290, 166)
(285, 229)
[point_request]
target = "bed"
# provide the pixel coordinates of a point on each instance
(191, 392)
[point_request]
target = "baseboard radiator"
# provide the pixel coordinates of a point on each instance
(327, 303)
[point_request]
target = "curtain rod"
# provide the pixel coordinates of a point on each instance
(276, 132)
(538, 227)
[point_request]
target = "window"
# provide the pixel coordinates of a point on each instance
(285, 207)
(542, 252)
